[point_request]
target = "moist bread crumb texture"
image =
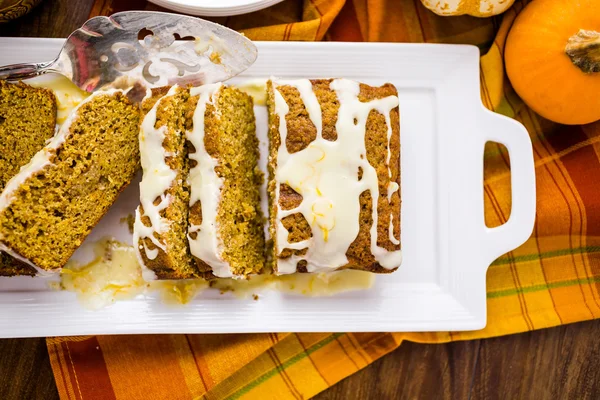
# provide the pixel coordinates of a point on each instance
(52, 211)
(27, 121)
(235, 146)
(382, 142)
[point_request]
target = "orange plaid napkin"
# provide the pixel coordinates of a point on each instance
(552, 279)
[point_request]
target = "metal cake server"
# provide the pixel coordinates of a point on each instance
(106, 51)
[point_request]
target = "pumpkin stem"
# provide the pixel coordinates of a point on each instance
(583, 49)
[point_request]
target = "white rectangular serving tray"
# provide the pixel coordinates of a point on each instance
(447, 247)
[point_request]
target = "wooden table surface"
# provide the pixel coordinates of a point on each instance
(550, 364)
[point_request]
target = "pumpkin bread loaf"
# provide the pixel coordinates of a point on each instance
(225, 232)
(334, 180)
(202, 217)
(51, 205)
(334, 176)
(27, 121)
(161, 219)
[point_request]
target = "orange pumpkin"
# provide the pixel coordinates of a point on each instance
(552, 59)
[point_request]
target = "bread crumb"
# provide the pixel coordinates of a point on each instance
(215, 58)
(129, 220)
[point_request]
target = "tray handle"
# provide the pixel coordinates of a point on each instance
(518, 228)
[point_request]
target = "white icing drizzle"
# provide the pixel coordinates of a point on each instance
(157, 178)
(392, 187)
(325, 174)
(351, 107)
(391, 231)
(41, 160)
(205, 186)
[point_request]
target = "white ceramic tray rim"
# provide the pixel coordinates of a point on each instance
(447, 246)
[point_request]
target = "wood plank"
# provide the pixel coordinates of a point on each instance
(556, 363)
(25, 371)
(52, 18)
(413, 371)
